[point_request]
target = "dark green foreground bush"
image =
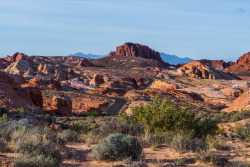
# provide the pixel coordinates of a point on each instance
(163, 116)
(117, 147)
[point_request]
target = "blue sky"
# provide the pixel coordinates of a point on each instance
(214, 29)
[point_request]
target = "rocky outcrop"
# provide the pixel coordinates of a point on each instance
(108, 92)
(163, 85)
(61, 106)
(45, 84)
(137, 50)
(85, 63)
(216, 64)
(14, 95)
(242, 66)
(144, 95)
(97, 80)
(20, 67)
(199, 70)
(241, 103)
(34, 94)
(232, 92)
(6, 61)
(17, 56)
(47, 69)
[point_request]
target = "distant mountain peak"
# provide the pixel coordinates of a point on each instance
(174, 60)
(89, 55)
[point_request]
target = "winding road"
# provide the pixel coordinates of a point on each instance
(120, 102)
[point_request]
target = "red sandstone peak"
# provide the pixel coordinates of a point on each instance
(243, 63)
(17, 56)
(136, 50)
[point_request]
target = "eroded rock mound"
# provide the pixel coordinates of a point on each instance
(85, 63)
(163, 85)
(61, 105)
(199, 70)
(6, 61)
(136, 50)
(45, 84)
(20, 67)
(97, 80)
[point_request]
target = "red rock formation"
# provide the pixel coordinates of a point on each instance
(241, 102)
(241, 66)
(34, 94)
(61, 105)
(17, 56)
(232, 92)
(199, 70)
(137, 50)
(97, 80)
(215, 64)
(45, 84)
(108, 92)
(6, 61)
(85, 63)
(15, 96)
(142, 95)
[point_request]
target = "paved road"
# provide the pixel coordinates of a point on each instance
(120, 102)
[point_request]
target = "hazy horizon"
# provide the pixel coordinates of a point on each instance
(195, 29)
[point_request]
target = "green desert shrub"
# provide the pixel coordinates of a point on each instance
(163, 116)
(69, 135)
(36, 148)
(35, 161)
(117, 147)
(186, 143)
(3, 145)
(93, 113)
(8, 128)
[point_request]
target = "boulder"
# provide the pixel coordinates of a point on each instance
(85, 63)
(97, 80)
(61, 105)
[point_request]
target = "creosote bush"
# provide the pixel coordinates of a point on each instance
(38, 161)
(163, 116)
(117, 147)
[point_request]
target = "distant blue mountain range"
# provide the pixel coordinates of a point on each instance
(90, 56)
(171, 59)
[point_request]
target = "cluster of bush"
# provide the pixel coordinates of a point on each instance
(38, 145)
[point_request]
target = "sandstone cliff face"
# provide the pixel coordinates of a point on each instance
(137, 50)
(13, 95)
(199, 70)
